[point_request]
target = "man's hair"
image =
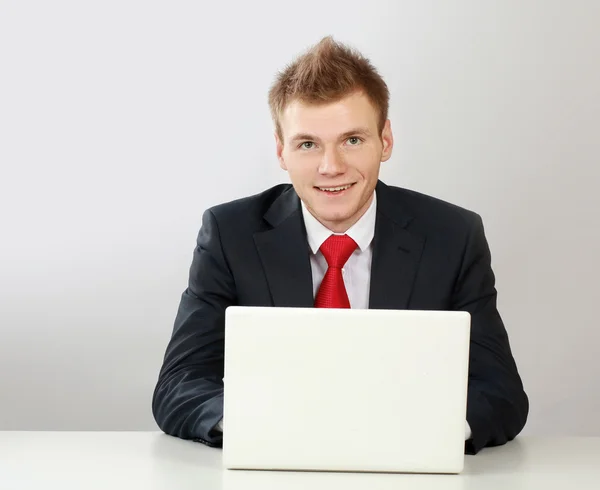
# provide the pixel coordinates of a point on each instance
(328, 72)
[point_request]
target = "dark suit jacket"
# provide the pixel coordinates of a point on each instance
(427, 255)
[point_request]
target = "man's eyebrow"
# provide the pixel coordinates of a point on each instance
(356, 131)
(304, 136)
(347, 134)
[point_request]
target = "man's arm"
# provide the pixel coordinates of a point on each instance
(188, 399)
(497, 405)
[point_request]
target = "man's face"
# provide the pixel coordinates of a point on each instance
(332, 153)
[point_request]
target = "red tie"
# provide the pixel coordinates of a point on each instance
(337, 249)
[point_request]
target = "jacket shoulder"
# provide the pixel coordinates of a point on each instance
(254, 206)
(427, 208)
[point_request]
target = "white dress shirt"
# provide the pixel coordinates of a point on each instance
(357, 270)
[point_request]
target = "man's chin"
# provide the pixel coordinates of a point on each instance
(332, 217)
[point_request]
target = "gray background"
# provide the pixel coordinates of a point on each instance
(120, 122)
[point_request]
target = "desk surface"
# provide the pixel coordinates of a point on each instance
(153, 461)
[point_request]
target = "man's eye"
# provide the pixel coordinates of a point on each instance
(307, 145)
(354, 140)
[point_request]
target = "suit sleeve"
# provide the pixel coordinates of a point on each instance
(188, 398)
(497, 405)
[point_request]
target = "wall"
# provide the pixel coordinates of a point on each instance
(121, 122)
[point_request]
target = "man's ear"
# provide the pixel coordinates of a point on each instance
(279, 149)
(387, 139)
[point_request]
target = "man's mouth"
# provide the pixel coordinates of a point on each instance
(335, 190)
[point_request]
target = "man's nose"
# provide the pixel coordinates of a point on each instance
(332, 163)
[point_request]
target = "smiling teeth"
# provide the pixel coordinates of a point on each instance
(335, 189)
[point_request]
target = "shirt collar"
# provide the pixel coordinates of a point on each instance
(362, 232)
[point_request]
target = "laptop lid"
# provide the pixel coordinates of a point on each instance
(345, 390)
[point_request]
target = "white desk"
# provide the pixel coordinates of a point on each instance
(151, 460)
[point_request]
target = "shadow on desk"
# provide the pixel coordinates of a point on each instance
(283, 480)
(491, 465)
(166, 448)
(498, 460)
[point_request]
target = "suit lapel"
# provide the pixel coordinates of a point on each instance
(284, 253)
(396, 254)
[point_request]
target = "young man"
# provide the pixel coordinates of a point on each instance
(337, 237)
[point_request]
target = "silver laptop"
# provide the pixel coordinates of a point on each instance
(345, 390)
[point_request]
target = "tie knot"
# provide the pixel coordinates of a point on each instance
(337, 249)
